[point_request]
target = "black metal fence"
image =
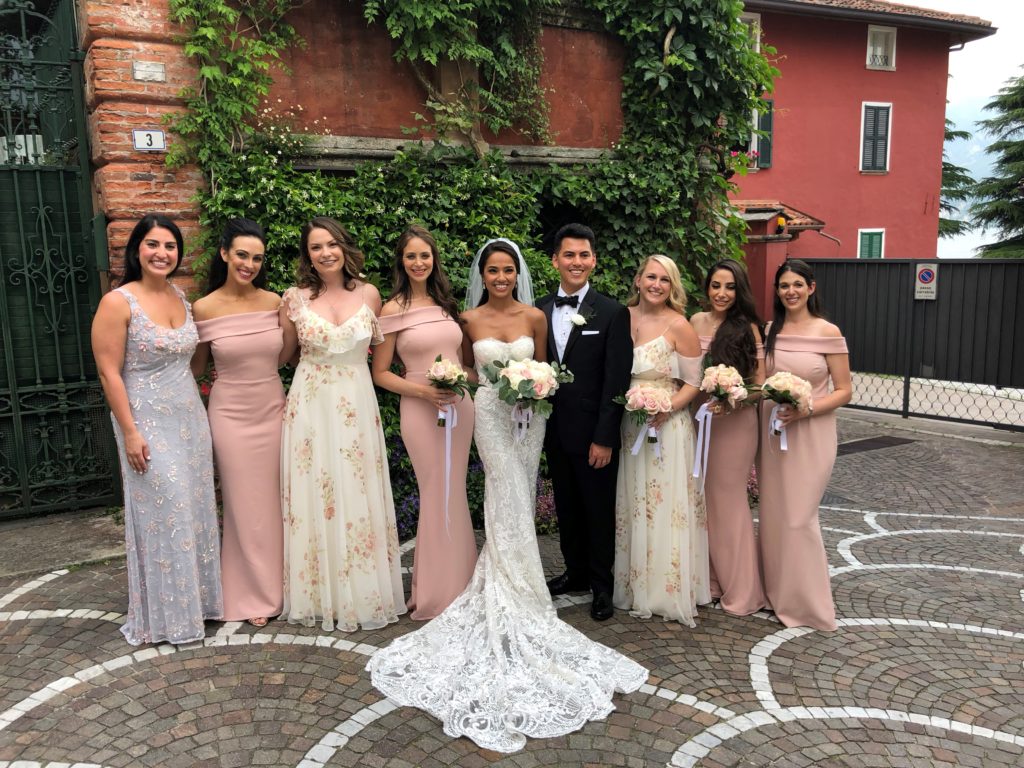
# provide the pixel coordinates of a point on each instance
(958, 356)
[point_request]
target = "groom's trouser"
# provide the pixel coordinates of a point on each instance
(585, 506)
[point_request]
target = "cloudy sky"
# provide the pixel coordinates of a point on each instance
(977, 73)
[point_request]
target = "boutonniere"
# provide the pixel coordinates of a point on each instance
(579, 319)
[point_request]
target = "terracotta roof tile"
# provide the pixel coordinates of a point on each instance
(795, 219)
(896, 9)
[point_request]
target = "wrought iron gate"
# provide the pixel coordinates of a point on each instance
(56, 448)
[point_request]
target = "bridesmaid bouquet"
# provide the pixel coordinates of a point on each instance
(448, 375)
(785, 389)
(642, 403)
(725, 384)
(526, 385)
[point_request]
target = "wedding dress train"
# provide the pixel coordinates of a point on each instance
(499, 665)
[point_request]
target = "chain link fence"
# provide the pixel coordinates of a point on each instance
(937, 399)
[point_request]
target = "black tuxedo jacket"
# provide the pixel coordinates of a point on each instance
(600, 355)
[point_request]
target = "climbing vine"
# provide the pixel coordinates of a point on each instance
(490, 49)
(691, 83)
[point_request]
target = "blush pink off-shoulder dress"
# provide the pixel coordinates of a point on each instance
(246, 410)
(735, 560)
(792, 483)
(445, 552)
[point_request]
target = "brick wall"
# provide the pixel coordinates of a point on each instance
(134, 73)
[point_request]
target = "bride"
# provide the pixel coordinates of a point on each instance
(498, 665)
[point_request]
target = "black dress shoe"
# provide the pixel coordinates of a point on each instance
(601, 609)
(560, 585)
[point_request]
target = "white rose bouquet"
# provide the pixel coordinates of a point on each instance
(527, 384)
(448, 375)
(725, 384)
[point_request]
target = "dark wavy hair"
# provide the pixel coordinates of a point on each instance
(734, 343)
(218, 274)
(496, 247)
(574, 230)
(803, 269)
(306, 274)
(132, 267)
(438, 286)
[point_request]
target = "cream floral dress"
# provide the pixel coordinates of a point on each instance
(661, 528)
(341, 558)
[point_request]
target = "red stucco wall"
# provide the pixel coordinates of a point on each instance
(815, 165)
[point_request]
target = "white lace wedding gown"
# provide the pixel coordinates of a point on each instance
(498, 665)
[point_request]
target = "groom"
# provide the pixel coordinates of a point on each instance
(588, 333)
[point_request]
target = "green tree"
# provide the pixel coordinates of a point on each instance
(999, 198)
(957, 184)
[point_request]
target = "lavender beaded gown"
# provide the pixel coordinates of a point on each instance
(170, 513)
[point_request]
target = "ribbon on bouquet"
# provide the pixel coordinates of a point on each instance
(652, 435)
(704, 418)
(451, 420)
(777, 427)
(521, 416)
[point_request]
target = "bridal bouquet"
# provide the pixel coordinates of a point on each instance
(642, 403)
(785, 389)
(527, 384)
(448, 375)
(725, 384)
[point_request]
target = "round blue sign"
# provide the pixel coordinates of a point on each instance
(926, 275)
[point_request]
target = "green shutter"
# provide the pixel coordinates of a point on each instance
(765, 137)
(876, 138)
(870, 245)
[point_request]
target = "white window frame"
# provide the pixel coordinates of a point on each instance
(753, 20)
(872, 231)
(888, 134)
(891, 31)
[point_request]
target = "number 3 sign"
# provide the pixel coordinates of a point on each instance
(149, 140)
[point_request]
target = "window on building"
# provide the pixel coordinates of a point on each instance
(876, 122)
(761, 142)
(760, 147)
(870, 243)
(881, 47)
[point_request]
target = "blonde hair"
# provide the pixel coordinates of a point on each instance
(676, 296)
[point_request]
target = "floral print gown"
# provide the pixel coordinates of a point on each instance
(170, 512)
(341, 558)
(661, 530)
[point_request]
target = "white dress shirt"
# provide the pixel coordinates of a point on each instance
(561, 318)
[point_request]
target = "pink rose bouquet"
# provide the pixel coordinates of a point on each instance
(643, 402)
(786, 389)
(725, 384)
(527, 384)
(448, 375)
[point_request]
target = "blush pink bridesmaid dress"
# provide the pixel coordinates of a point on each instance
(445, 552)
(792, 482)
(735, 560)
(246, 409)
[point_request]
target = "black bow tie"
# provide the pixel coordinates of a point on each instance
(571, 301)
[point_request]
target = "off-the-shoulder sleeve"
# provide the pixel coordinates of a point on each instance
(392, 323)
(293, 302)
(376, 331)
(822, 345)
(689, 369)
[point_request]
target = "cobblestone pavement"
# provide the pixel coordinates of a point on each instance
(925, 537)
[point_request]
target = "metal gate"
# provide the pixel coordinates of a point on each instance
(958, 357)
(56, 447)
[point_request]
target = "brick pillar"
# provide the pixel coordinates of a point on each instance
(134, 72)
(764, 252)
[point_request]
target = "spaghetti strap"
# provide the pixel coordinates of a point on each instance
(674, 321)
